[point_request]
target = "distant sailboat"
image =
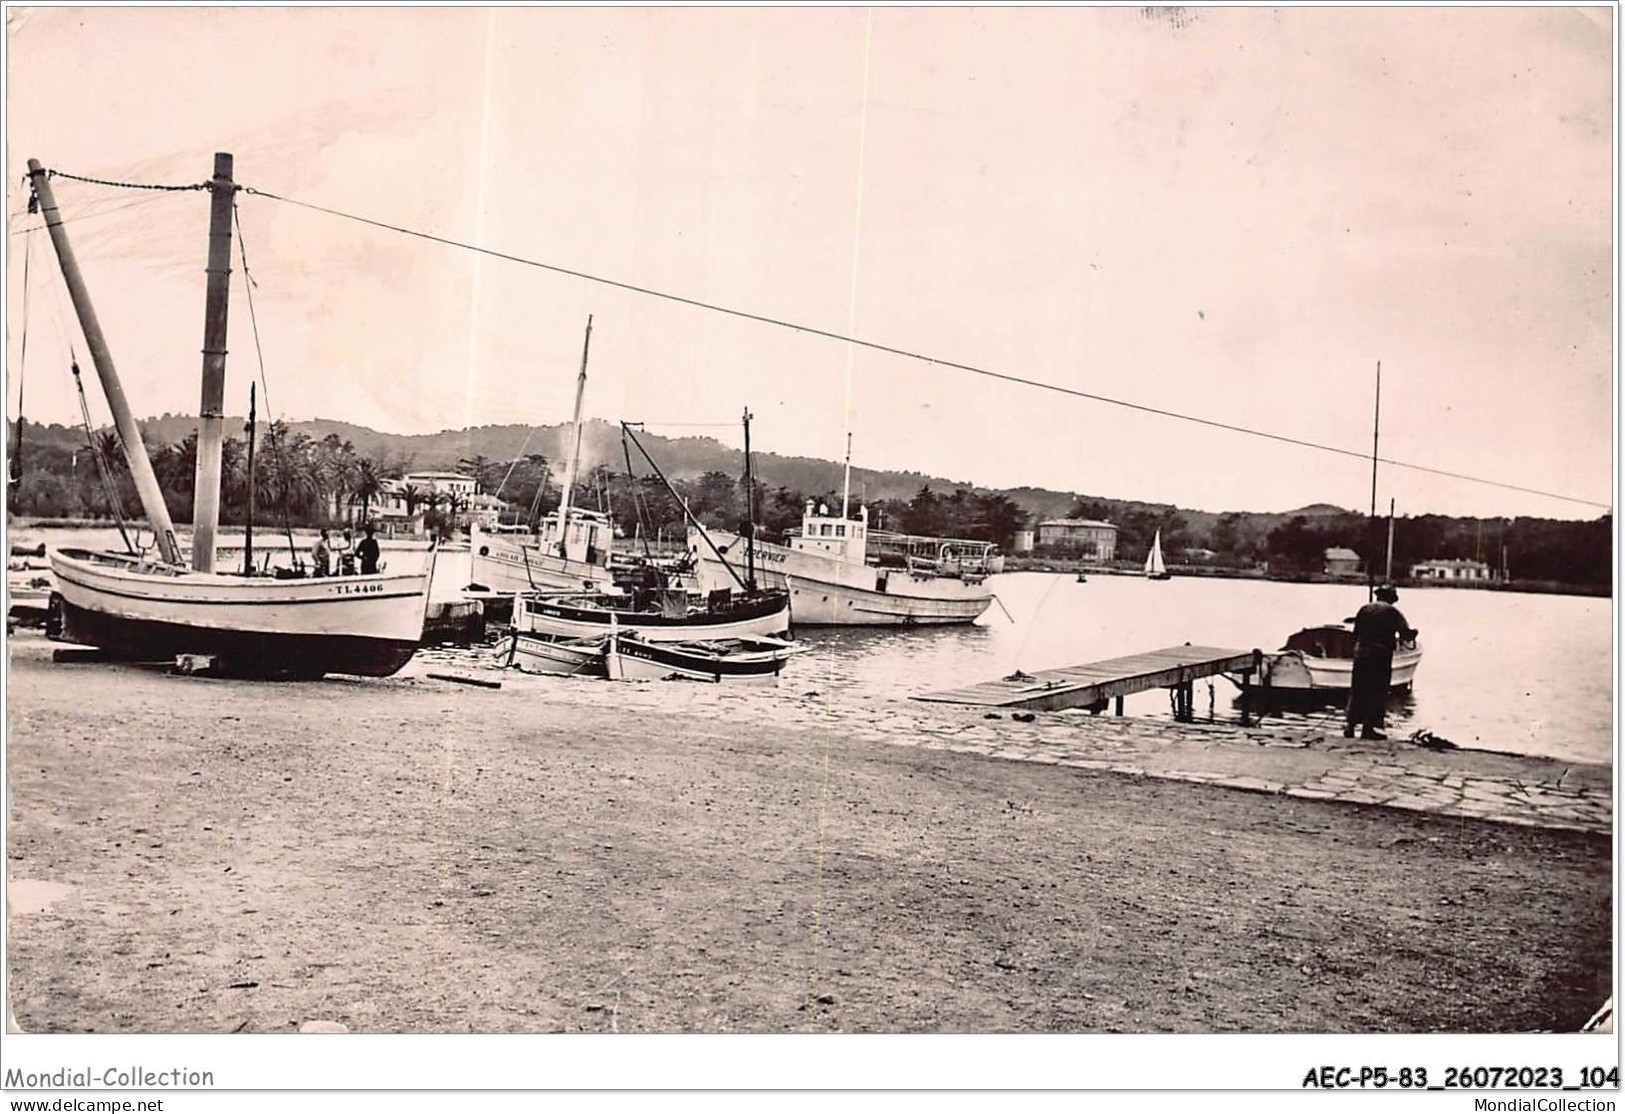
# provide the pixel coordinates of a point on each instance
(1154, 568)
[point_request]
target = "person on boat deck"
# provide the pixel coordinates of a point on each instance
(346, 551)
(1378, 627)
(321, 556)
(367, 553)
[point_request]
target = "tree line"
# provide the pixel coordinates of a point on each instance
(1558, 550)
(302, 481)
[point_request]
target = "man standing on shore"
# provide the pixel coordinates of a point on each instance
(1378, 627)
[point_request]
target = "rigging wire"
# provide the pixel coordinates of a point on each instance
(281, 459)
(91, 214)
(16, 477)
(105, 470)
(922, 357)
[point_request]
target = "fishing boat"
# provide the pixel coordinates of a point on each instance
(662, 612)
(840, 574)
(668, 615)
(571, 548)
(152, 607)
(632, 658)
(570, 657)
(1154, 567)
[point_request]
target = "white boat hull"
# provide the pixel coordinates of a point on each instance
(634, 660)
(560, 657)
(825, 592)
(506, 563)
(1293, 671)
(366, 625)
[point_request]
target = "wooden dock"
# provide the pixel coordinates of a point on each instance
(1096, 683)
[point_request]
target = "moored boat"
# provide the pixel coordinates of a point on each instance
(827, 572)
(130, 604)
(571, 549)
(1320, 661)
(669, 616)
(631, 658)
(572, 657)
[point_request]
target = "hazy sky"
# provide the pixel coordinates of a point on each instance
(1229, 212)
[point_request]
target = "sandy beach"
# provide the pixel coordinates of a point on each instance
(413, 855)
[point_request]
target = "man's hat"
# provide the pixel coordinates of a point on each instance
(1388, 592)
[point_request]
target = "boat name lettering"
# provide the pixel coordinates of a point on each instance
(356, 589)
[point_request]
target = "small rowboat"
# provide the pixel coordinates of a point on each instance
(759, 659)
(567, 657)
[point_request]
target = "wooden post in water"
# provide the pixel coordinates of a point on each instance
(211, 409)
(135, 453)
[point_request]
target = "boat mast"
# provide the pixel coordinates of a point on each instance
(211, 409)
(135, 453)
(575, 450)
(750, 512)
(1388, 570)
(15, 479)
(1376, 427)
(248, 529)
(626, 431)
(846, 482)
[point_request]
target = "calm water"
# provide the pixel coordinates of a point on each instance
(1502, 670)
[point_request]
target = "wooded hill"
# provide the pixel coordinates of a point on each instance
(338, 463)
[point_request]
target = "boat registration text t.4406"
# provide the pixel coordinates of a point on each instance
(356, 589)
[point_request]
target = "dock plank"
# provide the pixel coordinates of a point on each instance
(1075, 686)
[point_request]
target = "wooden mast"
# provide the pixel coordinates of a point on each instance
(1388, 569)
(575, 448)
(750, 512)
(1376, 427)
(135, 453)
(211, 409)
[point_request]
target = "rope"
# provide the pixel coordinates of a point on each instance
(922, 357)
(89, 215)
(254, 322)
(530, 431)
(109, 485)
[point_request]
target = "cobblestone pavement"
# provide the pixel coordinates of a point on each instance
(1278, 758)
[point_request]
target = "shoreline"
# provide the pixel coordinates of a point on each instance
(564, 855)
(1013, 563)
(1064, 567)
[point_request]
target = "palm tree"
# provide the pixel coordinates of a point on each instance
(415, 497)
(368, 484)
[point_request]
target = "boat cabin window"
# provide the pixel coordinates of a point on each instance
(840, 531)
